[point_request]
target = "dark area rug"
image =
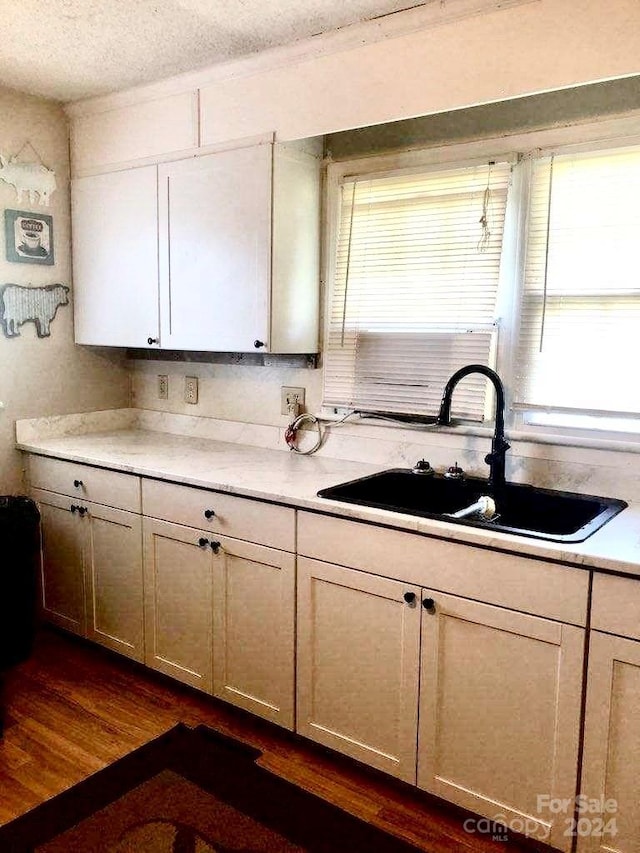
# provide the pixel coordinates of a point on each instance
(191, 791)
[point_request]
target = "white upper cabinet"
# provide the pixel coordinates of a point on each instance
(217, 253)
(215, 227)
(115, 258)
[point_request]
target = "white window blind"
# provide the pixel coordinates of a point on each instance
(415, 287)
(580, 323)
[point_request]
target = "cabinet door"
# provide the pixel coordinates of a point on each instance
(63, 558)
(500, 696)
(215, 259)
(178, 593)
(611, 748)
(358, 659)
(253, 633)
(114, 579)
(115, 258)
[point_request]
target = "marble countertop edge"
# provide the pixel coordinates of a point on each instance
(295, 480)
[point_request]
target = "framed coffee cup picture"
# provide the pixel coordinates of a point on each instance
(29, 237)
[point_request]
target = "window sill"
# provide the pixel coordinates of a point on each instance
(374, 428)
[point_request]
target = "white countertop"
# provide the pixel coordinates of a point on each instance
(284, 477)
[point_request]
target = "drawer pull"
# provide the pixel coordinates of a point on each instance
(215, 547)
(409, 597)
(429, 604)
(78, 484)
(209, 513)
(73, 508)
(202, 542)
(82, 510)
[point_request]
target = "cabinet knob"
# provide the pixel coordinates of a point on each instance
(153, 341)
(409, 597)
(429, 604)
(82, 510)
(209, 513)
(73, 508)
(78, 483)
(257, 344)
(202, 542)
(215, 547)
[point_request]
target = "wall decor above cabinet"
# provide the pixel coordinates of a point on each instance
(31, 179)
(216, 253)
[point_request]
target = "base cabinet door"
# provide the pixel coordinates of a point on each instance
(178, 592)
(358, 658)
(610, 789)
(113, 577)
(253, 629)
(63, 558)
(500, 697)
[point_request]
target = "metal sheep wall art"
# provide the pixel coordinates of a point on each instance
(39, 305)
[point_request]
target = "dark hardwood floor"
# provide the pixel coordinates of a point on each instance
(74, 708)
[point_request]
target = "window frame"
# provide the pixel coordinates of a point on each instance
(580, 137)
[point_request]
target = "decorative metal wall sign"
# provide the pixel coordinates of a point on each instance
(39, 305)
(32, 179)
(29, 237)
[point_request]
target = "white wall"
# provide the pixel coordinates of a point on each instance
(230, 392)
(51, 375)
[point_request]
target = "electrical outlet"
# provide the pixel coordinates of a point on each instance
(191, 389)
(291, 400)
(163, 386)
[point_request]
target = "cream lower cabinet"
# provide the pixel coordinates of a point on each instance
(500, 696)
(358, 663)
(92, 571)
(610, 823)
(62, 577)
(219, 616)
(178, 592)
(463, 692)
(609, 820)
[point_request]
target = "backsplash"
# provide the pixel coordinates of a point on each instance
(242, 404)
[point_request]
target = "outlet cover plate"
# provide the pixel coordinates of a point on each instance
(191, 389)
(289, 395)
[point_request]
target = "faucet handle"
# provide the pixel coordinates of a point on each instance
(454, 472)
(423, 467)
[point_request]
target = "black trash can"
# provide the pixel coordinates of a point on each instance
(19, 553)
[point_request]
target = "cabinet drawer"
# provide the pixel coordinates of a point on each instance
(240, 518)
(111, 488)
(616, 605)
(508, 580)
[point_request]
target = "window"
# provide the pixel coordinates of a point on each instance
(415, 288)
(580, 313)
(541, 248)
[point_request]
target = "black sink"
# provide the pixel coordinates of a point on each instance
(521, 509)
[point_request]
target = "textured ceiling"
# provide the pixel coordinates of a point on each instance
(69, 49)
